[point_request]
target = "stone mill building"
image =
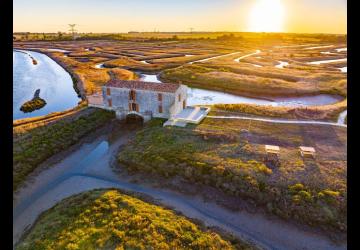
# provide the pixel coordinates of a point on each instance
(146, 99)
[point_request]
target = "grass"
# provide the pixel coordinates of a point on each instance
(222, 74)
(123, 74)
(90, 77)
(110, 219)
(129, 63)
(254, 82)
(324, 112)
(221, 154)
(33, 145)
(48, 117)
(284, 38)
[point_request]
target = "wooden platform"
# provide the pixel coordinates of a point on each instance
(307, 151)
(272, 149)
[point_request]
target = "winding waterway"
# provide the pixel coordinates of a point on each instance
(56, 88)
(242, 57)
(55, 84)
(198, 96)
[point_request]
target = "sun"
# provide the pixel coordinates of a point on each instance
(266, 16)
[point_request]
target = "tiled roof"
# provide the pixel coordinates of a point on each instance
(152, 86)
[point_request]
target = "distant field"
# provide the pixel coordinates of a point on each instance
(109, 219)
(97, 58)
(230, 155)
(258, 75)
(285, 37)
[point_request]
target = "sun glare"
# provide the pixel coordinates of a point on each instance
(266, 16)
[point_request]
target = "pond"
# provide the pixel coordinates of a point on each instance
(281, 64)
(198, 96)
(54, 50)
(55, 84)
(99, 66)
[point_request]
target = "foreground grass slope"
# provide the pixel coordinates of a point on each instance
(222, 154)
(109, 219)
(33, 145)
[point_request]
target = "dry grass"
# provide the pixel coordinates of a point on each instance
(244, 78)
(325, 112)
(123, 74)
(230, 155)
(222, 74)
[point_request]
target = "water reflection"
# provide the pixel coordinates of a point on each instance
(55, 84)
(198, 96)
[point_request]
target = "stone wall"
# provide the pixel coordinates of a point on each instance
(146, 100)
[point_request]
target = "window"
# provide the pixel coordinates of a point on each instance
(179, 97)
(132, 95)
(110, 102)
(159, 97)
(160, 109)
(184, 104)
(108, 91)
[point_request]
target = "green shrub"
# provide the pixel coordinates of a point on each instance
(109, 219)
(297, 187)
(32, 105)
(210, 158)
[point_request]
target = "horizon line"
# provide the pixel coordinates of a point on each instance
(134, 31)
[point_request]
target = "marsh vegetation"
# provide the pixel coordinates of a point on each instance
(34, 104)
(110, 219)
(34, 144)
(229, 155)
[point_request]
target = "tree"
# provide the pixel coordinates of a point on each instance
(59, 34)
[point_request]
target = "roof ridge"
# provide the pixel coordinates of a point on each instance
(122, 80)
(138, 84)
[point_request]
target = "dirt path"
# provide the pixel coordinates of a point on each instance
(89, 167)
(213, 57)
(242, 57)
(273, 120)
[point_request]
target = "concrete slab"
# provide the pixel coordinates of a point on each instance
(192, 114)
(188, 115)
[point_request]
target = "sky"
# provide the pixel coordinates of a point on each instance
(105, 16)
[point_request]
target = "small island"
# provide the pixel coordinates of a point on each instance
(33, 104)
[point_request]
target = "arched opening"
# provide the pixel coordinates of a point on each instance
(134, 118)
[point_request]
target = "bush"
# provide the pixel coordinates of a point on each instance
(34, 104)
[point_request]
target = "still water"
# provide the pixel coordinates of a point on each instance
(198, 96)
(55, 84)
